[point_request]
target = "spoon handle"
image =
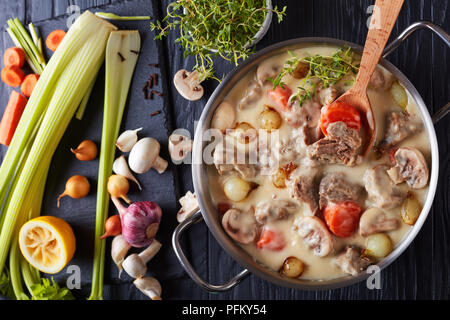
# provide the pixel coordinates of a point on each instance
(385, 13)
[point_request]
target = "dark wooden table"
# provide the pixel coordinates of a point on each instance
(421, 272)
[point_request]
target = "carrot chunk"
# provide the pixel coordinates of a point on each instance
(12, 76)
(271, 240)
(340, 111)
(342, 218)
(14, 57)
(281, 96)
(28, 84)
(11, 117)
(54, 39)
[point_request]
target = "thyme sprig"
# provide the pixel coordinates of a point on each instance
(223, 28)
(324, 70)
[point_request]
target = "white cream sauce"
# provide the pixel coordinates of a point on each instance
(316, 267)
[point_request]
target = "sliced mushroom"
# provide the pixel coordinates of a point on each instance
(253, 94)
(179, 147)
(188, 84)
(374, 220)
(224, 117)
(189, 205)
(410, 166)
(315, 235)
(240, 226)
(274, 210)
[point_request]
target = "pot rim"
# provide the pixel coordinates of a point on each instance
(200, 179)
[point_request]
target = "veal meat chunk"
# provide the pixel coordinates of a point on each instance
(399, 126)
(274, 210)
(351, 261)
(303, 187)
(334, 188)
(380, 188)
(340, 146)
(228, 158)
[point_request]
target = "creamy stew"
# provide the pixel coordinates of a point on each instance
(311, 206)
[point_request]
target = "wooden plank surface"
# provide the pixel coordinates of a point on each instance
(420, 272)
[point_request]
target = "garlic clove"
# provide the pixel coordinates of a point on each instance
(149, 286)
(120, 167)
(119, 249)
(127, 140)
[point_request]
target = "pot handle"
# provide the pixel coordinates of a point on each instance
(405, 34)
(410, 30)
(195, 218)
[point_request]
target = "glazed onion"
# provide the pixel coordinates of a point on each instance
(118, 187)
(77, 187)
(86, 151)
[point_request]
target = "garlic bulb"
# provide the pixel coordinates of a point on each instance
(127, 140)
(120, 167)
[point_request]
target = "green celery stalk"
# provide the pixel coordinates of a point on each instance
(118, 78)
(14, 266)
(82, 108)
(57, 95)
(26, 42)
(38, 44)
(18, 44)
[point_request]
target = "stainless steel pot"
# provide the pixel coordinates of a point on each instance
(208, 210)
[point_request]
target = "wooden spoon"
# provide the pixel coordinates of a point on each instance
(385, 14)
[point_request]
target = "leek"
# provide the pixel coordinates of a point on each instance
(57, 95)
(119, 72)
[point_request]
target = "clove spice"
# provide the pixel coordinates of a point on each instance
(121, 57)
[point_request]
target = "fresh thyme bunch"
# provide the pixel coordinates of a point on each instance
(209, 28)
(327, 70)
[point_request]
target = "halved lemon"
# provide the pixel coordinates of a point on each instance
(47, 243)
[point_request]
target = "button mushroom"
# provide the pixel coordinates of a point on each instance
(189, 205)
(188, 84)
(136, 264)
(374, 220)
(179, 147)
(145, 155)
(149, 286)
(315, 235)
(224, 117)
(410, 166)
(240, 226)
